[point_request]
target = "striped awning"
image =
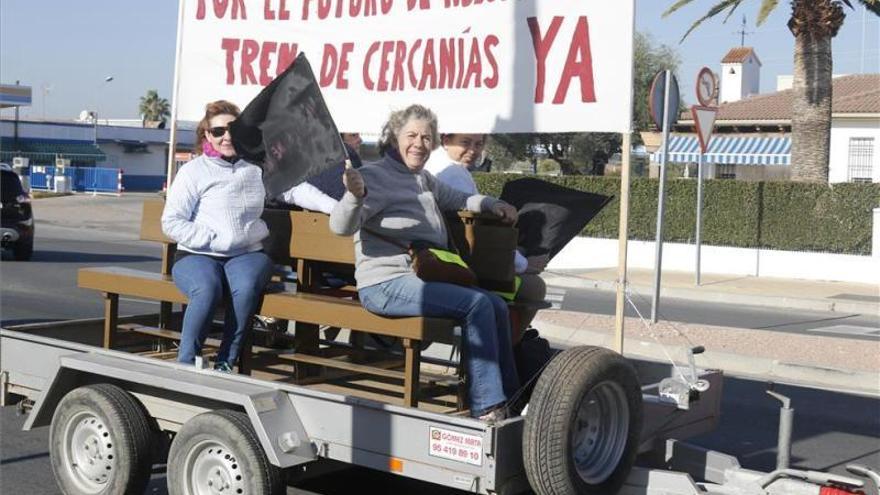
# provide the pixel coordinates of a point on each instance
(733, 150)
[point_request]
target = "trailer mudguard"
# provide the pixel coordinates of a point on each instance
(278, 426)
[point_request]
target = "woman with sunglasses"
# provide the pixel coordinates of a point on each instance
(213, 211)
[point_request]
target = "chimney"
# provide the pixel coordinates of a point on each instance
(740, 74)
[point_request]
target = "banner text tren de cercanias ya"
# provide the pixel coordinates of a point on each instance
(481, 65)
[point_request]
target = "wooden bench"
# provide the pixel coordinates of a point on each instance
(296, 236)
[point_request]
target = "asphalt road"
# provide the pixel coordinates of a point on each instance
(831, 429)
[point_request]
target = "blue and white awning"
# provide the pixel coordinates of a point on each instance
(739, 150)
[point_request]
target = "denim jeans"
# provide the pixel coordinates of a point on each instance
(485, 329)
(206, 281)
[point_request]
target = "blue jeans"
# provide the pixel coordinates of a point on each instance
(485, 330)
(206, 281)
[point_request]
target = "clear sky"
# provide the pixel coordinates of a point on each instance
(65, 49)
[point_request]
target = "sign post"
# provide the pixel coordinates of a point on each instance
(704, 123)
(665, 101)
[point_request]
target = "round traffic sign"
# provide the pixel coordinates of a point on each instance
(707, 87)
(656, 98)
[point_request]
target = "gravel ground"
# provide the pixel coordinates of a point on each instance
(809, 350)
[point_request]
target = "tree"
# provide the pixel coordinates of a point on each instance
(813, 23)
(154, 109)
(579, 153)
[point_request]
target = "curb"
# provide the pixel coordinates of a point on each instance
(737, 365)
(707, 295)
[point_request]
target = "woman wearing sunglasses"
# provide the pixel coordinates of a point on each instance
(213, 211)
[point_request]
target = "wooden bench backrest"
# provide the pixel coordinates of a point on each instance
(292, 234)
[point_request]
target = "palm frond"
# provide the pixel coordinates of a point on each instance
(732, 10)
(871, 5)
(719, 7)
(767, 6)
(677, 5)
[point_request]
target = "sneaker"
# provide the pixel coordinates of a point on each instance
(495, 415)
(222, 367)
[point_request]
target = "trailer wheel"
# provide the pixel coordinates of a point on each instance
(581, 433)
(218, 452)
(100, 442)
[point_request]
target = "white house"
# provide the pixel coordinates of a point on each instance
(752, 126)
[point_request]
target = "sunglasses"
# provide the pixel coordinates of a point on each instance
(218, 131)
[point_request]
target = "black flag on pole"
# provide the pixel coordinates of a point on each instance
(288, 131)
(550, 215)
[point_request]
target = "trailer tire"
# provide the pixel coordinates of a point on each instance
(101, 442)
(220, 448)
(571, 445)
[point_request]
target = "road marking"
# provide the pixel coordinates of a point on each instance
(556, 297)
(849, 330)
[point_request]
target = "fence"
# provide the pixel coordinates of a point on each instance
(81, 179)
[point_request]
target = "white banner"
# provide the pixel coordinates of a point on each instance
(481, 65)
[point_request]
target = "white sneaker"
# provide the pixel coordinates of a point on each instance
(495, 415)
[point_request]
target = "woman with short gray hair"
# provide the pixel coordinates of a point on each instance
(392, 204)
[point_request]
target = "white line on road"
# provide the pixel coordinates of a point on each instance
(849, 330)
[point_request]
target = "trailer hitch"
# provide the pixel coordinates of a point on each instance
(685, 388)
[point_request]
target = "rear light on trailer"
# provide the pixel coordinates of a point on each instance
(832, 490)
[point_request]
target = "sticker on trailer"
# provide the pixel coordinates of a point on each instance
(456, 446)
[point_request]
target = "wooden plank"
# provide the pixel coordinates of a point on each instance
(344, 365)
(151, 222)
(412, 357)
(313, 240)
(111, 318)
(344, 313)
(137, 283)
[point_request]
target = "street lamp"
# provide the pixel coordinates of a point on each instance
(95, 113)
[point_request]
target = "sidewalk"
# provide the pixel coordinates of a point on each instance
(841, 364)
(812, 295)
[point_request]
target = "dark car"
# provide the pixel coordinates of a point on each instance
(17, 232)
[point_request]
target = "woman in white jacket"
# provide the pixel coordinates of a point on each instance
(213, 211)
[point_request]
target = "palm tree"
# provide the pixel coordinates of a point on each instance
(154, 109)
(813, 23)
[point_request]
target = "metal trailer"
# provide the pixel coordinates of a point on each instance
(118, 412)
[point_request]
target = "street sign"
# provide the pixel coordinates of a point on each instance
(656, 97)
(707, 87)
(704, 120)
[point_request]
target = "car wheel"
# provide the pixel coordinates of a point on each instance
(219, 451)
(582, 431)
(100, 442)
(23, 251)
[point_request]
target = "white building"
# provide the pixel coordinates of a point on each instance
(141, 153)
(855, 132)
(740, 74)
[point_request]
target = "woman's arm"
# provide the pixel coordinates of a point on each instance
(309, 197)
(180, 204)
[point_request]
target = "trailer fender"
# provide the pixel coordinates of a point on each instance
(278, 426)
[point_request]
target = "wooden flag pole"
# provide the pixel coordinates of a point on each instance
(172, 140)
(623, 231)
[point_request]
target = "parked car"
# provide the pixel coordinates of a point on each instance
(17, 231)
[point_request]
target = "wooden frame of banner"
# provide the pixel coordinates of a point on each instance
(175, 98)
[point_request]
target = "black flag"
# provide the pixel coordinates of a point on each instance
(288, 131)
(550, 215)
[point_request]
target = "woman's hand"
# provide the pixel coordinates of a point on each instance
(505, 212)
(354, 182)
(537, 264)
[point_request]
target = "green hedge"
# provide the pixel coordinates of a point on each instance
(776, 215)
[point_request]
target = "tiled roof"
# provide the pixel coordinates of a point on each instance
(858, 93)
(738, 55)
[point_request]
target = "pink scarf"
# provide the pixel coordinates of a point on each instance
(209, 150)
